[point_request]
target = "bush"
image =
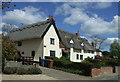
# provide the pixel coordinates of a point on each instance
(69, 70)
(3, 63)
(9, 70)
(21, 71)
(34, 71)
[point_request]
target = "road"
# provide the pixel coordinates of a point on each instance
(52, 74)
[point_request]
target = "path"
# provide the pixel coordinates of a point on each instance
(27, 77)
(63, 75)
(69, 76)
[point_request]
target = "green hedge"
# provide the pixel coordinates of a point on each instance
(64, 63)
(21, 70)
(34, 71)
(10, 70)
(68, 70)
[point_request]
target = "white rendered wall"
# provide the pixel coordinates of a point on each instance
(85, 55)
(51, 33)
(32, 45)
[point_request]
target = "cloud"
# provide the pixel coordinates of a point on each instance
(98, 25)
(27, 15)
(91, 24)
(110, 40)
(101, 5)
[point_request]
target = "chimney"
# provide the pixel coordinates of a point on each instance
(78, 34)
(51, 19)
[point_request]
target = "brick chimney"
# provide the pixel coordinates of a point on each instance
(51, 19)
(78, 34)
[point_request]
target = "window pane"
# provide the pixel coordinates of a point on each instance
(52, 41)
(71, 45)
(81, 57)
(77, 57)
(52, 53)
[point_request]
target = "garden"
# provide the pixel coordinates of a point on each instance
(84, 67)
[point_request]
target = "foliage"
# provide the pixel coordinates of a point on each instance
(22, 70)
(69, 70)
(3, 63)
(9, 50)
(65, 64)
(106, 53)
(9, 70)
(34, 71)
(115, 49)
(97, 42)
(6, 5)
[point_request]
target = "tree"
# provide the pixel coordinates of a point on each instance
(6, 28)
(106, 53)
(9, 50)
(6, 4)
(115, 49)
(97, 42)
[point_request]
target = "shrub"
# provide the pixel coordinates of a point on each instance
(34, 71)
(3, 63)
(9, 70)
(21, 71)
(68, 70)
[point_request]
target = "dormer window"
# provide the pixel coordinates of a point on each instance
(52, 41)
(71, 43)
(82, 45)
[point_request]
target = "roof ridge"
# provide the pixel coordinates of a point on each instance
(69, 33)
(33, 25)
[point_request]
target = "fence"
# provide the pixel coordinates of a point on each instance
(27, 60)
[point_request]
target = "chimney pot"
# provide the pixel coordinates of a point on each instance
(77, 34)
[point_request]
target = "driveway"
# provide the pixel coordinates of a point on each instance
(69, 76)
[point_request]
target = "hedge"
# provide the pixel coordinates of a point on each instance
(64, 63)
(21, 70)
(10, 70)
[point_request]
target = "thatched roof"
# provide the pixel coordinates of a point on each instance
(38, 30)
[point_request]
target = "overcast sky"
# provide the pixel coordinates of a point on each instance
(90, 18)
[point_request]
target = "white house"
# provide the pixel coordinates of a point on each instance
(45, 39)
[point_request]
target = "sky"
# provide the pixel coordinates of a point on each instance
(89, 18)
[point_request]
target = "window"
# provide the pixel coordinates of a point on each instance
(22, 52)
(52, 41)
(19, 52)
(92, 52)
(85, 51)
(71, 45)
(81, 57)
(77, 57)
(33, 53)
(52, 53)
(19, 43)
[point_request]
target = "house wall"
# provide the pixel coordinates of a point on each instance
(32, 45)
(47, 46)
(74, 55)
